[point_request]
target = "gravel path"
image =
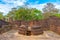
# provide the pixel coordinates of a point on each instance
(13, 35)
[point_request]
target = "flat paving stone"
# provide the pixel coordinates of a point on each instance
(13, 35)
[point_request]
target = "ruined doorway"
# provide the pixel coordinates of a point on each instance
(28, 33)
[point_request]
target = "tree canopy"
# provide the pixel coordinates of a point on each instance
(49, 10)
(49, 7)
(26, 14)
(1, 15)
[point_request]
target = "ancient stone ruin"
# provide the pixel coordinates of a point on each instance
(30, 28)
(54, 24)
(35, 27)
(35, 30)
(4, 26)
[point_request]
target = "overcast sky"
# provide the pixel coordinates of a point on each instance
(6, 5)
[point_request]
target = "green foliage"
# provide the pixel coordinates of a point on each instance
(29, 14)
(10, 14)
(49, 10)
(36, 14)
(57, 15)
(49, 7)
(1, 15)
(26, 14)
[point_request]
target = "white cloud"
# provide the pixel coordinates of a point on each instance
(37, 6)
(57, 6)
(14, 3)
(5, 8)
(40, 6)
(10, 4)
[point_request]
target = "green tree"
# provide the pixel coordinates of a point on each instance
(36, 14)
(1, 15)
(11, 14)
(57, 15)
(49, 10)
(26, 14)
(49, 7)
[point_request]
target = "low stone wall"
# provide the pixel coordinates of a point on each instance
(22, 30)
(5, 28)
(26, 30)
(36, 30)
(58, 30)
(52, 23)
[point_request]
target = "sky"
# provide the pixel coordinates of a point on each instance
(7, 5)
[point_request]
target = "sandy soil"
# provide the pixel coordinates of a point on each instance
(13, 35)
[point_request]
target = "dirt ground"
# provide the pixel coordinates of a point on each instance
(13, 35)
